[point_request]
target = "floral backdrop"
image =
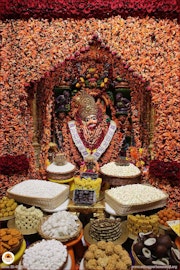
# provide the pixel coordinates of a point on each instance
(33, 50)
(87, 8)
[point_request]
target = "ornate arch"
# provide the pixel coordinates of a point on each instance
(114, 75)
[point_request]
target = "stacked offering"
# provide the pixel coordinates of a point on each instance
(166, 215)
(7, 207)
(156, 250)
(40, 193)
(60, 169)
(117, 175)
(141, 223)
(105, 229)
(27, 219)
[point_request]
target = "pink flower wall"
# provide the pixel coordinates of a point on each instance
(35, 48)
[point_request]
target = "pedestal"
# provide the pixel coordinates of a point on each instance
(69, 181)
(98, 209)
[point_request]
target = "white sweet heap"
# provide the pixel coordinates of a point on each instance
(136, 194)
(60, 169)
(38, 189)
(47, 254)
(60, 224)
(115, 170)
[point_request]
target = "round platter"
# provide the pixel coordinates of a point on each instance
(122, 239)
(6, 218)
(81, 266)
(110, 210)
(67, 266)
(61, 207)
(165, 228)
(11, 224)
(63, 239)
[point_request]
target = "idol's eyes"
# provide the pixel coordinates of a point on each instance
(93, 117)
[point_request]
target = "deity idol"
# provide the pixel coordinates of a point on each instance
(91, 132)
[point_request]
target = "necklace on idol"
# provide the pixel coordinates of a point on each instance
(96, 153)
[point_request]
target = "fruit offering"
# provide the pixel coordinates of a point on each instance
(7, 207)
(167, 214)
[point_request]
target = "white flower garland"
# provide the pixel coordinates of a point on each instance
(101, 149)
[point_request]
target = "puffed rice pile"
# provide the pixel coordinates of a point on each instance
(119, 171)
(46, 254)
(60, 224)
(136, 194)
(60, 169)
(38, 188)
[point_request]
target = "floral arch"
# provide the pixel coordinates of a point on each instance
(112, 75)
(39, 38)
(35, 51)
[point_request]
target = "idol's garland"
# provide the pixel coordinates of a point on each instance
(96, 152)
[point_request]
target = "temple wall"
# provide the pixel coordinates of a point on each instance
(33, 49)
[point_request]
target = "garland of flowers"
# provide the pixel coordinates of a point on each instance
(10, 165)
(71, 151)
(166, 176)
(140, 64)
(69, 148)
(95, 144)
(113, 150)
(46, 115)
(165, 170)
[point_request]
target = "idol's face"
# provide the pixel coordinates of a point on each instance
(91, 121)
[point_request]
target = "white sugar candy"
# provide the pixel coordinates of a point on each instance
(37, 188)
(115, 170)
(46, 254)
(136, 194)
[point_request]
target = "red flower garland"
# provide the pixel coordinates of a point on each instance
(85, 8)
(10, 164)
(165, 170)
